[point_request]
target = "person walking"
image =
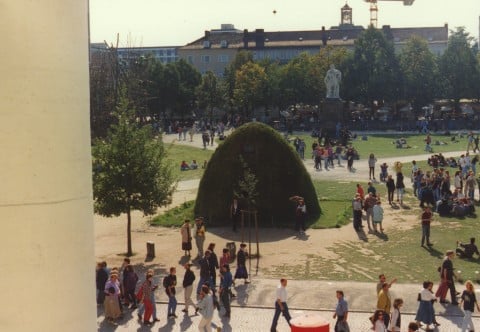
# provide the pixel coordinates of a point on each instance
(390, 183)
(396, 319)
(199, 236)
(187, 284)
(204, 272)
(384, 303)
(101, 280)
(378, 320)
(205, 307)
(341, 313)
(146, 298)
(425, 311)
(357, 207)
(241, 272)
(368, 205)
(281, 306)
(186, 234)
(426, 221)
(130, 280)
(225, 284)
(469, 302)
(169, 282)
(448, 275)
(371, 166)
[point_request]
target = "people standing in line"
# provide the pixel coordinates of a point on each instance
(371, 166)
(396, 319)
(281, 306)
(169, 282)
(425, 311)
(141, 307)
(199, 232)
(205, 307)
(390, 183)
(377, 217)
(469, 301)
(448, 276)
(112, 298)
(186, 234)
(400, 187)
(235, 213)
(101, 279)
(384, 303)
(130, 279)
(426, 221)
(147, 290)
(187, 284)
(341, 313)
(241, 271)
(225, 285)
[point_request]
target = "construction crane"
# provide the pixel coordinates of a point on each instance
(374, 9)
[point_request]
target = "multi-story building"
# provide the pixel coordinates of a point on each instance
(218, 47)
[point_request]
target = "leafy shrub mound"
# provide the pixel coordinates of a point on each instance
(277, 167)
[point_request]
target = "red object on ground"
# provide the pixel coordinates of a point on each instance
(309, 322)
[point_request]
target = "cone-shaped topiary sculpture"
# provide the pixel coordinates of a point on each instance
(278, 171)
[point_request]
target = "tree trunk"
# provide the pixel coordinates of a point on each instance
(129, 233)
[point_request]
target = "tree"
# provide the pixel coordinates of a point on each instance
(189, 79)
(209, 93)
(240, 59)
(374, 73)
(130, 169)
(250, 86)
(459, 67)
(420, 72)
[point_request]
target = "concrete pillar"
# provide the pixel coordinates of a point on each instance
(46, 239)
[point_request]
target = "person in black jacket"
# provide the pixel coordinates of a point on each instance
(169, 282)
(101, 280)
(188, 280)
(213, 264)
(241, 272)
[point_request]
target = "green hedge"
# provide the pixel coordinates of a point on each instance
(277, 167)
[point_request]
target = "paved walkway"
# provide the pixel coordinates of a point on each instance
(253, 308)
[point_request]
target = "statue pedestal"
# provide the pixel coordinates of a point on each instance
(331, 112)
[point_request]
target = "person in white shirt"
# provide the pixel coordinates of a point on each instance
(281, 305)
(205, 306)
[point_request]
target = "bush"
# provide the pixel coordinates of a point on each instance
(277, 167)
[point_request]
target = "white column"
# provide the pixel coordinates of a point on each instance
(46, 242)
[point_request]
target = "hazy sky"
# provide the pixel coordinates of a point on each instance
(177, 22)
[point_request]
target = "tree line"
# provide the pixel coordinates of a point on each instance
(372, 73)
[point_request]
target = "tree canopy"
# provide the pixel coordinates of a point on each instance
(130, 170)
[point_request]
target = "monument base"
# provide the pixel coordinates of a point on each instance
(331, 113)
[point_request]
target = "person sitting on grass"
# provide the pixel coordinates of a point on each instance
(467, 250)
(194, 164)
(184, 166)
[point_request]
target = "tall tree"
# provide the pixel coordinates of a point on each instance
(242, 57)
(420, 72)
(250, 85)
(459, 67)
(209, 93)
(130, 169)
(374, 73)
(189, 79)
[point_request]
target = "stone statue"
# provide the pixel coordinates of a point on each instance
(332, 82)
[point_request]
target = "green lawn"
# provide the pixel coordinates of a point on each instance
(383, 146)
(398, 254)
(177, 153)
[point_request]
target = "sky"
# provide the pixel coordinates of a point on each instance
(178, 22)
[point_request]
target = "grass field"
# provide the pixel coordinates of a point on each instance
(383, 146)
(177, 153)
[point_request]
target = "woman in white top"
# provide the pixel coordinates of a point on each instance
(396, 320)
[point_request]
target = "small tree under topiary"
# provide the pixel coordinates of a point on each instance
(277, 168)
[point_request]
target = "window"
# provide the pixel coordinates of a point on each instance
(205, 58)
(223, 58)
(190, 59)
